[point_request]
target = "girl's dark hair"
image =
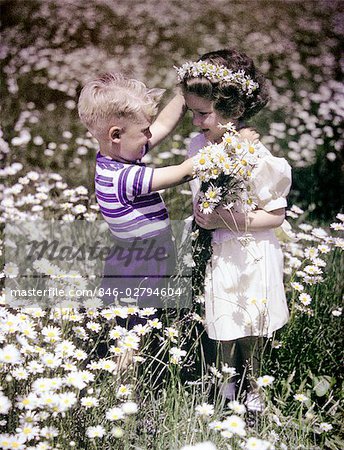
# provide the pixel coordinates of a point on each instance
(229, 100)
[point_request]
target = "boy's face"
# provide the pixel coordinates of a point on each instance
(205, 117)
(130, 138)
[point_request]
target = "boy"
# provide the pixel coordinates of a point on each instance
(119, 113)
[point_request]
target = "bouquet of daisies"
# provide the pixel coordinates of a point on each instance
(224, 170)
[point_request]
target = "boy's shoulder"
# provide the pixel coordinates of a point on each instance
(197, 141)
(107, 164)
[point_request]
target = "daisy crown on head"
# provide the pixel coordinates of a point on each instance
(217, 73)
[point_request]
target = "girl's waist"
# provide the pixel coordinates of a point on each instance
(222, 235)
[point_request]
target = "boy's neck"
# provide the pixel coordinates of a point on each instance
(107, 153)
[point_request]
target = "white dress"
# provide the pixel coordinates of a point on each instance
(244, 292)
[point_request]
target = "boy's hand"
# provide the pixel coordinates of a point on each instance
(250, 134)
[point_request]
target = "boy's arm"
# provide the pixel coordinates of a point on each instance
(170, 176)
(249, 134)
(167, 120)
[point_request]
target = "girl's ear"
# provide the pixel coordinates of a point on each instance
(115, 134)
(238, 111)
(156, 93)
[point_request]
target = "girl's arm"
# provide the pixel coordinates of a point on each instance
(257, 220)
(170, 176)
(167, 120)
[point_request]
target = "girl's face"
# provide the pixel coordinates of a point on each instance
(205, 117)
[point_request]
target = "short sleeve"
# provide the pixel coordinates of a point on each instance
(133, 181)
(271, 181)
(196, 143)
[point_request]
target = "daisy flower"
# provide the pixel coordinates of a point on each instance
(188, 260)
(324, 426)
(89, 402)
(66, 400)
(171, 333)
(213, 194)
(237, 407)
(265, 380)
(114, 414)
(300, 398)
(206, 206)
(11, 270)
(95, 432)
(123, 391)
(5, 404)
(50, 360)
(312, 270)
(93, 326)
(117, 432)
(155, 323)
(108, 365)
(202, 162)
(205, 410)
(305, 299)
(51, 334)
(311, 252)
(235, 425)
(129, 408)
(297, 286)
(253, 443)
(176, 355)
(231, 371)
(10, 355)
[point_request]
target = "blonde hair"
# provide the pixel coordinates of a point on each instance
(113, 95)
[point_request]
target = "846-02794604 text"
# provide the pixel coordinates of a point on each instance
(98, 292)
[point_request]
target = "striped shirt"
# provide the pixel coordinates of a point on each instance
(125, 199)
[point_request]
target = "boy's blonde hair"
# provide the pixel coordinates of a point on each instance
(113, 95)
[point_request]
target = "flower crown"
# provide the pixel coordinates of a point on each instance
(217, 73)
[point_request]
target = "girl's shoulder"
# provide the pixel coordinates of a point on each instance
(265, 154)
(270, 166)
(196, 143)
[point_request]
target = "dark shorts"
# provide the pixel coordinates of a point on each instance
(139, 270)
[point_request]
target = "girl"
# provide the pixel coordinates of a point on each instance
(244, 295)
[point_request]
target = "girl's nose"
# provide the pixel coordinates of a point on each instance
(148, 134)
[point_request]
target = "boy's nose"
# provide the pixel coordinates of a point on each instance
(197, 121)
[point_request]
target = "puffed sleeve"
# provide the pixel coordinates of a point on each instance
(271, 181)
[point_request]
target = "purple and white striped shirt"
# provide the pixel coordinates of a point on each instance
(125, 199)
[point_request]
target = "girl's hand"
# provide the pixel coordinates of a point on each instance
(249, 134)
(208, 221)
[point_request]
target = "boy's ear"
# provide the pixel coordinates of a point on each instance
(115, 134)
(156, 93)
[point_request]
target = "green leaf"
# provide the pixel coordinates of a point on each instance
(322, 385)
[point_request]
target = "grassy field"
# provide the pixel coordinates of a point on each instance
(58, 390)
